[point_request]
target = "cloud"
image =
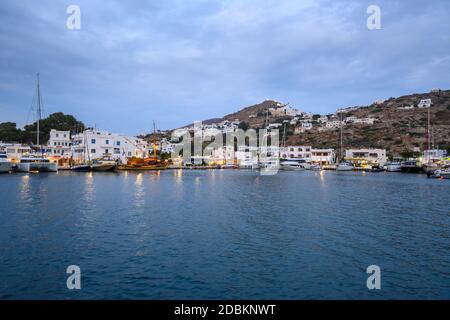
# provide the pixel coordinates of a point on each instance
(177, 61)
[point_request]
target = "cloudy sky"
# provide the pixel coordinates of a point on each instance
(176, 61)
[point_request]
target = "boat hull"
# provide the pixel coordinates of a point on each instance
(81, 168)
(415, 169)
(43, 167)
(141, 168)
(393, 168)
(5, 167)
(104, 167)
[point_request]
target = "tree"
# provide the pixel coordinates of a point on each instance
(9, 132)
(58, 121)
(244, 126)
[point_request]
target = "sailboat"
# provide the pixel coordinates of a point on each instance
(82, 167)
(343, 165)
(36, 163)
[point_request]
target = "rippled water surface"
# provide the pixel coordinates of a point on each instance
(224, 234)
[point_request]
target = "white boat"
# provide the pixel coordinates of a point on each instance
(248, 164)
(104, 164)
(393, 166)
(442, 174)
(5, 164)
(345, 166)
(292, 166)
(269, 166)
(36, 164)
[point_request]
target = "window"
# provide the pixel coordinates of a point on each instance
(93, 151)
(93, 141)
(300, 149)
(57, 135)
(54, 143)
(65, 136)
(129, 154)
(118, 143)
(107, 141)
(116, 150)
(106, 151)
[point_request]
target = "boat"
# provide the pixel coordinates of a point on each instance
(140, 164)
(345, 166)
(411, 166)
(441, 174)
(104, 164)
(269, 165)
(81, 168)
(36, 164)
(291, 166)
(394, 166)
(229, 166)
(430, 167)
(5, 164)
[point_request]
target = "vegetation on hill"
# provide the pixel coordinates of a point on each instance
(59, 121)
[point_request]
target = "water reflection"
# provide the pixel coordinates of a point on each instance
(139, 193)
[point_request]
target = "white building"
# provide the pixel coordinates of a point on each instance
(434, 155)
(284, 111)
(323, 119)
(351, 119)
(361, 157)
(334, 124)
(367, 121)
(59, 144)
(425, 103)
(99, 143)
(296, 152)
(323, 156)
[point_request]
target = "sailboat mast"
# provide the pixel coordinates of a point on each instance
(341, 125)
(39, 112)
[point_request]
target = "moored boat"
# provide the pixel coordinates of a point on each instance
(345, 166)
(291, 166)
(140, 164)
(411, 166)
(104, 164)
(441, 174)
(36, 164)
(5, 164)
(393, 166)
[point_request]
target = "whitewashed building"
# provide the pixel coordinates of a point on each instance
(362, 157)
(425, 103)
(59, 143)
(99, 143)
(296, 152)
(334, 124)
(323, 156)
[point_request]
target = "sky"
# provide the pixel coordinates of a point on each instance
(177, 61)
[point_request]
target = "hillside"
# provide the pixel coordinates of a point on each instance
(397, 130)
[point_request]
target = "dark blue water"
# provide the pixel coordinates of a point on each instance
(224, 234)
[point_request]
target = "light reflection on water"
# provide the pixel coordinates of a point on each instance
(224, 234)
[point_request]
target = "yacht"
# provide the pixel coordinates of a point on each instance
(411, 166)
(269, 165)
(292, 166)
(104, 164)
(394, 166)
(345, 166)
(5, 164)
(36, 164)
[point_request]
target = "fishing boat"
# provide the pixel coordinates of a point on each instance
(5, 164)
(291, 166)
(411, 166)
(104, 164)
(81, 168)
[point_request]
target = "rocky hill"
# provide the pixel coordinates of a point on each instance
(398, 129)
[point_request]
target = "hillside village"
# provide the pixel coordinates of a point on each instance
(398, 125)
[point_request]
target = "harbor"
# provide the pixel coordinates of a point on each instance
(182, 234)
